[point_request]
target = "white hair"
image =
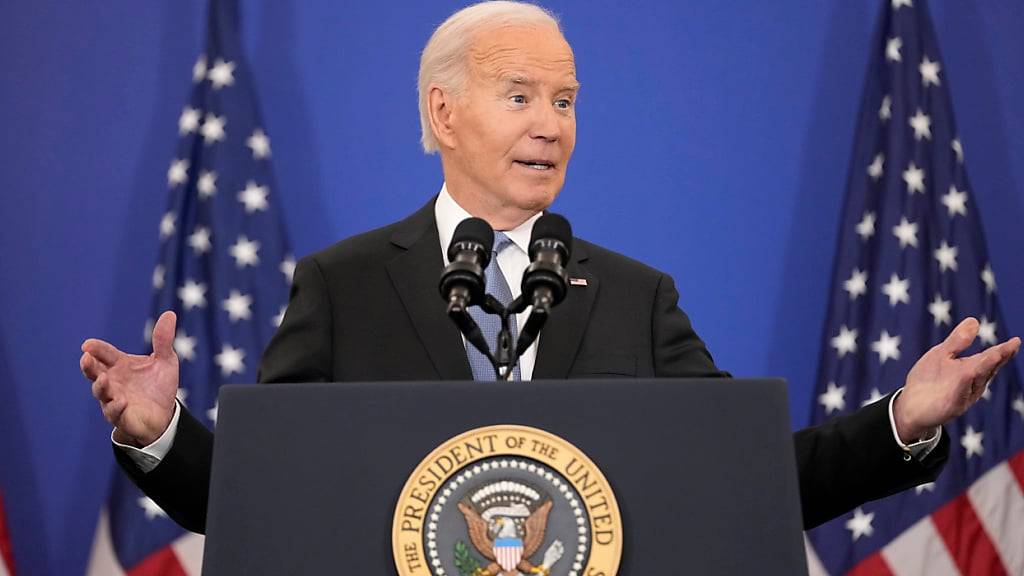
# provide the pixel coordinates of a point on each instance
(444, 61)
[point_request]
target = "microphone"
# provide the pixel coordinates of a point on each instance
(462, 282)
(545, 280)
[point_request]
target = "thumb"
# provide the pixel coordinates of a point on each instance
(961, 337)
(163, 335)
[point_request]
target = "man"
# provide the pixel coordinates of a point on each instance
(497, 90)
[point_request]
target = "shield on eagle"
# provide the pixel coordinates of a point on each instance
(508, 552)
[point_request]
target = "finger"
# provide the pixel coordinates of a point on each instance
(163, 335)
(101, 389)
(986, 362)
(91, 367)
(961, 337)
(102, 351)
(112, 411)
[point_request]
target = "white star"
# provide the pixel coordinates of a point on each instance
(897, 290)
(845, 342)
(958, 149)
(222, 74)
(152, 509)
(887, 347)
(955, 201)
(921, 124)
(288, 267)
(259, 143)
(857, 284)
(929, 72)
(237, 305)
(989, 278)
(213, 128)
(192, 295)
(866, 226)
(245, 252)
(897, 3)
(914, 177)
(177, 173)
(906, 231)
(940, 310)
(147, 331)
(892, 49)
(230, 360)
(212, 412)
(885, 110)
(184, 345)
(167, 225)
(199, 69)
(279, 317)
(1018, 405)
(188, 122)
(158, 276)
(832, 399)
(200, 240)
(254, 197)
(860, 524)
(971, 441)
(987, 331)
(946, 255)
(207, 184)
(926, 487)
(876, 166)
(876, 395)
(182, 395)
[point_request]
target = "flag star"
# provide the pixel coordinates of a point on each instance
(167, 226)
(866, 226)
(860, 524)
(188, 122)
(897, 3)
(177, 173)
(199, 69)
(971, 441)
(182, 395)
(955, 201)
(230, 360)
(279, 317)
(857, 283)
(922, 125)
(213, 128)
(151, 508)
(914, 177)
(200, 240)
(833, 399)
(184, 345)
(222, 74)
(288, 267)
(987, 331)
(192, 295)
(892, 49)
(989, 278)
(207, 184)
(158, 276)
(147, 331)
(897, 289)
(845, 342)
(1018, 405)
(876, 167)
(887, 347)
(926, 487)
(885, 110)
(254, 197)
(212, 412)
(940, 310)
(259, 143)
(958, 149)
(237, 306)
(245, 252)
(946, 255)
(929, 72)
(906, 231)
(876, 395)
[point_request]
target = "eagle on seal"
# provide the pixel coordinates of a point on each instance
(488, 536)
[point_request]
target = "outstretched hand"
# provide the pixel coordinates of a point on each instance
(941, 386)
(136, 393)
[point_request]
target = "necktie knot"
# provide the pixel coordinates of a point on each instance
(501, 241)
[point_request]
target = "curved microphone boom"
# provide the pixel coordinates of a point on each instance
(546, 279)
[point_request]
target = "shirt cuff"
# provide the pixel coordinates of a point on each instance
(148, 457)
(919, 449)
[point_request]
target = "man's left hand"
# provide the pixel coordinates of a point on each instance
(942, 386)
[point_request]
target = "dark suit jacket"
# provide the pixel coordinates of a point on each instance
(366, 309)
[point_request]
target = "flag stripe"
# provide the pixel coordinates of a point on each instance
(966, 539)
(999, 503)
(814, 565)
(1016, 465)
(873, 565)
(6, 554)
(920, 550)
(189, 549)
(163, 562)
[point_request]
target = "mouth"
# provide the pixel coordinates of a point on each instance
(539, 165)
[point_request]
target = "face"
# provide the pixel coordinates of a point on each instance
(513, 129)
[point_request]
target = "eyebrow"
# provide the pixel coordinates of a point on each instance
(523, 80)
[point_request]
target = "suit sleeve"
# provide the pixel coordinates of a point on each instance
(678, 351)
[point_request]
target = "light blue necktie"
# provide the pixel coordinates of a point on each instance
(490, 324)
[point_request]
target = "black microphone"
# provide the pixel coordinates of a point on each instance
(545, 280)
(462, 282)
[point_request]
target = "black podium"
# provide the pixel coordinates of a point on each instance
(307, 478)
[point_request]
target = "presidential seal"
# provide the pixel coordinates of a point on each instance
(507, 501)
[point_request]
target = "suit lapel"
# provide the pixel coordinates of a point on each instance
(561, 337)
(415, 275)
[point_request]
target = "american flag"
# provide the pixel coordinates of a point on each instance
(912, 261)
(6, 556)
(224, 268)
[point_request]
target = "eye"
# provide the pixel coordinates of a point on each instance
(563, 104)
(519, 99)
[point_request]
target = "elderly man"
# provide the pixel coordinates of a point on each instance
(497, 90)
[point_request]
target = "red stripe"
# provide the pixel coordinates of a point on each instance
(6, 555)
(163, 562)
(873, 565)
(968, 543)
(1016, 465)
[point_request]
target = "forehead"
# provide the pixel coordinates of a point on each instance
(531, 50)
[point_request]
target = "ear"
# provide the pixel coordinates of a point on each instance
(439, 104)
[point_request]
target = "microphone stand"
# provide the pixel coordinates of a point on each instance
(507, 353)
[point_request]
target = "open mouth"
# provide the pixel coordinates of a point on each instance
(540, 165)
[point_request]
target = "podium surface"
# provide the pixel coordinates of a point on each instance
(307, 477)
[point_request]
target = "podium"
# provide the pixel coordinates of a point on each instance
(326, 478)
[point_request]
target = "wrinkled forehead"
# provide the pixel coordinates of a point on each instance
(512, 51)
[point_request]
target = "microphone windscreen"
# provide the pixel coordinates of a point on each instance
(551, 226)
(475, 230)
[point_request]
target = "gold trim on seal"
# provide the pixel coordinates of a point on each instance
(448, 459)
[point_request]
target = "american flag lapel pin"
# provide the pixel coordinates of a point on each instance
(577, 281)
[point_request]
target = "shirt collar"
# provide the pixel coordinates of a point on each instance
(448, 214)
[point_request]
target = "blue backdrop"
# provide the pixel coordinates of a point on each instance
(713, 143)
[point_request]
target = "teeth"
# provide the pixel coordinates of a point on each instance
(537, 166)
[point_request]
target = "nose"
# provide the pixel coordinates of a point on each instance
(546, 124)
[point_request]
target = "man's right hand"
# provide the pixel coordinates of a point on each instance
(136, 393)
